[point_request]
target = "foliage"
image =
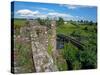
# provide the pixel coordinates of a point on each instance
(77, 59)
(60, 21)
(90, 23)
(76, 65)
(45, 22)
(88, 59)
(82, 59)
(18, 23)
(62, 66)
(70, 54)
(41, 21)
(76, 33)
(24, 57)
(49, 48)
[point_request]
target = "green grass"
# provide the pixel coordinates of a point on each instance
(49, 48)
(24, 57)
(19, 21)
(67, 29)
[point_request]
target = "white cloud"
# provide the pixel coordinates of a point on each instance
(44, 9)
(43, 16)
(27, 12)
(69, 6)
(72, 7)
(75, 6)
(56, 14)
(36, 14)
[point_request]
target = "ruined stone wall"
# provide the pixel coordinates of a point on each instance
(42, 60)
(36, 36)
(53, 35)
(22, 52)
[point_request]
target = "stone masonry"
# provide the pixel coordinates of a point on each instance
(37, 35)
(39, 42)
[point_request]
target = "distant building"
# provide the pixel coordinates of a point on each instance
(65, 22)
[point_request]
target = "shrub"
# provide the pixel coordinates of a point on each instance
(70, 54)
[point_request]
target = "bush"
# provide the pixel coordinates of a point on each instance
(76, 33)
(70, 54)
(76, 65)
(88, 59)
(60, 21)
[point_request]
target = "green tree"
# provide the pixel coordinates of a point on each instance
(70, 54)
(41, 21)
(81, 21)
(76, 65)
(88, 59)
(91, 23)
(60, 21)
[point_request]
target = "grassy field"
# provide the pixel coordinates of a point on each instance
(68, 29)
(19, 21)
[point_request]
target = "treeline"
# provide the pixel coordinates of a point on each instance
(46, 21)
(83, 22)
(60, 21)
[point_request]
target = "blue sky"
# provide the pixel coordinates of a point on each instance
(43, 10)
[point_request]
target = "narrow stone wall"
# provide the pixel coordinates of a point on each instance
(53, 35)
(39, 41)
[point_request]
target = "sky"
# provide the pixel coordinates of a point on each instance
(44, 10)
